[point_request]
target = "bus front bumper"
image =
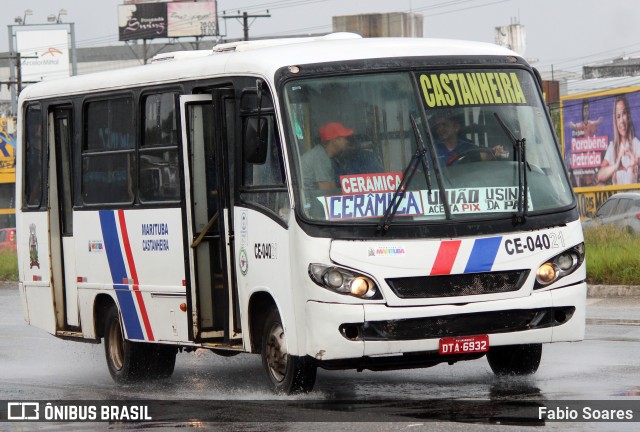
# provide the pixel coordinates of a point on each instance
(341, 331)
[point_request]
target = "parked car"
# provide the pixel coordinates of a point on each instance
(7, 239)
(621, 209)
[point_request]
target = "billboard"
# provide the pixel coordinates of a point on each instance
(45, 54)
(7, 147)
(142, 21)
(149, 1)
(151, 20)
(601, 142)
(192, 19)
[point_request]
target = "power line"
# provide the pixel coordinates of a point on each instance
(275, 5)
(425, 8)
(245, 21)
(281, 4)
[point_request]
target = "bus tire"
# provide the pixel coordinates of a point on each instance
(515, 359)
(127, 361)
(287, 373)
(162, 361)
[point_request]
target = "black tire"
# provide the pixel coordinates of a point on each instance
(286, 373)
(515, 359)
(133, 361)
(162, 361)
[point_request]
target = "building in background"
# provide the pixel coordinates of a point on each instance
(512, 36)
(620, 67)
(396, 24)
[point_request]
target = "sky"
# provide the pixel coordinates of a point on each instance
(562, 35)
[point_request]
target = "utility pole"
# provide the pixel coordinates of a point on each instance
(18, 81)
(245, 21)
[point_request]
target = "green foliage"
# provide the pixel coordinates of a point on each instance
(612, 256)
(8, 266)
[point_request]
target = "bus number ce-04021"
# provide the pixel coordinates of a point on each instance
(533, 243)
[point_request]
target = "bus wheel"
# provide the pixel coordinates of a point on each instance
(287, 373)
(162, 361)
(515, 359)
(127, 361)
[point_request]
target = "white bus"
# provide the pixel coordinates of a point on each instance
(300, 199)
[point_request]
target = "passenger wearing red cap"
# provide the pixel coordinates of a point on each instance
(318, 170)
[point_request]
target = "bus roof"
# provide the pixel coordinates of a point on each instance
(260, 58)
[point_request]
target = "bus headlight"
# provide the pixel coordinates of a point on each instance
(334, 278)
(546, 273)
(360, 286)
(559, 266)
(344, 281)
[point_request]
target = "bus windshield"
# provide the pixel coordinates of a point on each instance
(483, 133)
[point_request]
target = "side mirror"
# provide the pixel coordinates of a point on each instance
(256, 140)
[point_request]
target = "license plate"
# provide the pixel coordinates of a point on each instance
(464, 344)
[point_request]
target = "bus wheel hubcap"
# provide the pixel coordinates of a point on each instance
(277, 352)
(116, 346)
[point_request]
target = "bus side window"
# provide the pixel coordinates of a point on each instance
(159, 166)
(264, 183)
(271, 172)
(34, 167)
(108, 167)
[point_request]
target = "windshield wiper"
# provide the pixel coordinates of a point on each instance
(519, 146)
(419, 157)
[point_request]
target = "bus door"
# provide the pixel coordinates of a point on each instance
(61, 214)
(210, 284)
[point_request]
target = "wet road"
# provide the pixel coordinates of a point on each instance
(466, 396)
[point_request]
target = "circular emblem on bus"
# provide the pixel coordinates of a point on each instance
(243, 221)
(244, 262)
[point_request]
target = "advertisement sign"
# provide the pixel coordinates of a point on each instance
(7, 149)
(45, 54)
(600, 139)
(192, 19)
(150, 20)
(7, 172)
(142, 21)
(148, 1)
(370, 195)
(589, 202)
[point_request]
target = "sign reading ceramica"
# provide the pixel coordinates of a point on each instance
(422, 203)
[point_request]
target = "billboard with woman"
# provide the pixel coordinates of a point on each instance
(600, 143)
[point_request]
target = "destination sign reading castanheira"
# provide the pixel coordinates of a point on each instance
(450, 89)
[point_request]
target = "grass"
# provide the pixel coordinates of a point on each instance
(613, 256)
(8, 266)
